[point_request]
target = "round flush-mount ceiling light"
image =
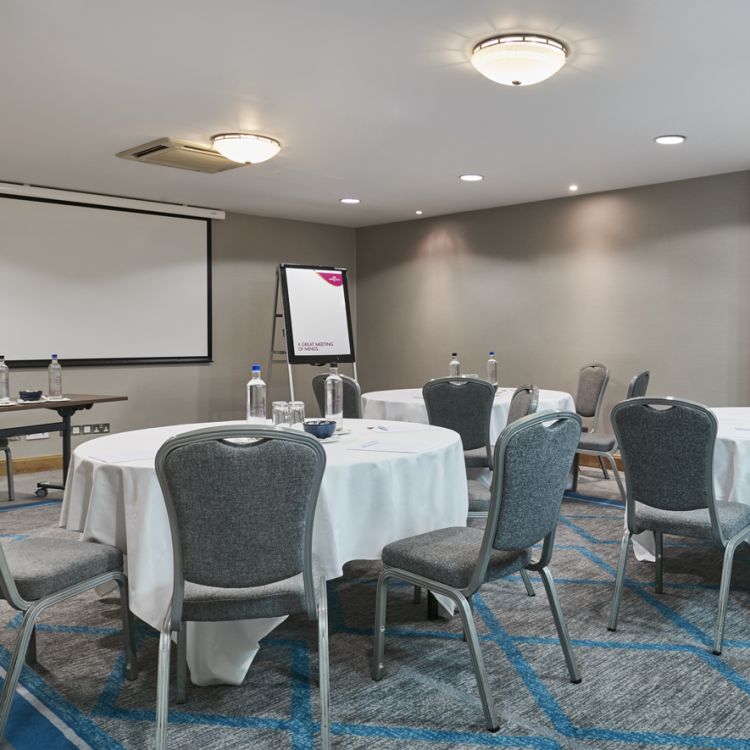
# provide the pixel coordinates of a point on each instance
(670, 140)
(471, 177)
(246, 148)
(519, 59)
(350, 201)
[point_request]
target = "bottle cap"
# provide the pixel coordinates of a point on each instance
(492, 354)
(54, 356)
(455, 354)
(255, 368)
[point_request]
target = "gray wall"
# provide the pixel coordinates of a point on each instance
(652, 278)
(246, 250)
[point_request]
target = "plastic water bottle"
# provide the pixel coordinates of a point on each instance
(4, 381)
(54, 372)
(492, 369)
(256, 397)
(454, 368)
(335, 397)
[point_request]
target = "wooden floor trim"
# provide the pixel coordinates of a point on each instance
(32, 464)
(594, 461)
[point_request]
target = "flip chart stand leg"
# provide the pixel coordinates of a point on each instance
(281, 353)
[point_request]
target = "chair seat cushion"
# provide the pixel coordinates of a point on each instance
(449, 556)
(476, 458)
(479, 497)
(211, 603)
(45, 565)
(733, 517)
(597, 441)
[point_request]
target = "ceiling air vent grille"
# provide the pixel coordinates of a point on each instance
(169, 152)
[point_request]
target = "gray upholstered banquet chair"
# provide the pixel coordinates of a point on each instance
(592, 382)
(667, 449)
(8, 467)
(524, 401)
(241, 502)
(463, 405)
(40, 572)
(604, 444)
(352, 395)
(532, 460)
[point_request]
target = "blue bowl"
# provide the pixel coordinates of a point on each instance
(29, 395)
(320, 428)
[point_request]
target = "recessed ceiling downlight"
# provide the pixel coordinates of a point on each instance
(352, 201)
(573, 188)
(670, 140)
(471, 177)
(246, 148)
(519, 59)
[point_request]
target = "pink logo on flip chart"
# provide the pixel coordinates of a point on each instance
(334, 279)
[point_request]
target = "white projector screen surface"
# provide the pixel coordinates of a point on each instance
(316, 307)
(97, 284)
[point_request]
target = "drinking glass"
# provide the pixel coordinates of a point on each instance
(280, 413)
(296, 413)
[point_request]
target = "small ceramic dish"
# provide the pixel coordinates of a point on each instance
(320, 428)
(29, 395)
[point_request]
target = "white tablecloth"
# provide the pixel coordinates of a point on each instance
(409, 479)
(407, 405)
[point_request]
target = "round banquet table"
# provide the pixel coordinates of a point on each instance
(407, 405)
(383, 481)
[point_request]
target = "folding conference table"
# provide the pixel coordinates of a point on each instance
(65, 407)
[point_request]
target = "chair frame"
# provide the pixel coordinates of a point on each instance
(609, 455)
(5, 447)
(25, 648)
(717, 535)
(173, 622)
(462, 597)
(320, 396)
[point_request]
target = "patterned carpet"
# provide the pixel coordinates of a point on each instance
(653, 684)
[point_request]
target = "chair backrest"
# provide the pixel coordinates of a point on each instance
(352, 395)
(638, 385)
(241, 502)
(592, 382)
(667, 449)
(463, 405)
(532, 461)
(523, 402)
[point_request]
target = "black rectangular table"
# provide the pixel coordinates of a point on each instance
(65, 409)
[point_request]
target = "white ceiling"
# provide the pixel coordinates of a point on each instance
(370, 98)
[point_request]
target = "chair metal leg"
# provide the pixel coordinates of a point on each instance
(432, 606)
(659, 556)
(574, 472)
(378, 645)
(726, 580)
(616, 472)
(16, 664)
(9, 474)
(162, 686)
(527, 582)
(31, 659)
(488, 704)
(325, 720)
(603, 467)
(417, 595)
(562, 628)
(614, 607)
(181, 666)
(128, 630)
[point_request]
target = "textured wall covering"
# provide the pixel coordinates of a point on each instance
(651, 277)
